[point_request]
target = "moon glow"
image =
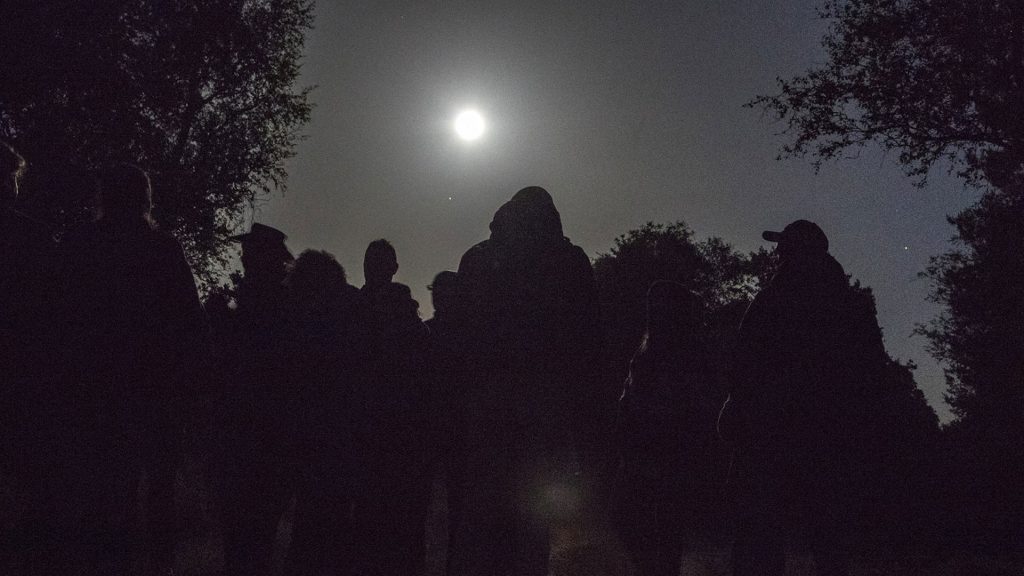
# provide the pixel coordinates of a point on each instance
(469, 125)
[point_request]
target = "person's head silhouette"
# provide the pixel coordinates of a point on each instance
(126, 196)
(316, 279)
(12, 165)
(264, 254)
(800, 240)
(380, 263)
(673, 311)
(529, 218)
(444, 292)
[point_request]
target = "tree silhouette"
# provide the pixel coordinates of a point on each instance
(980, 338)
(723, 277)
(931, 79)
(199, 93)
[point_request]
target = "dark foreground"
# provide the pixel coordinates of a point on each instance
(583, 545)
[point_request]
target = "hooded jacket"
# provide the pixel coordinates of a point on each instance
(529, 302)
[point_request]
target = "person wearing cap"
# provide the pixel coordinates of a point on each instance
(529, 327)
(254, 340)
(802, 359)
(136, 340)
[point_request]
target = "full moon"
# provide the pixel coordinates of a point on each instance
(469, 125)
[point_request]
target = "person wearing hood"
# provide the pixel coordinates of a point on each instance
(801, 364)
(529, 328)
(136, 339)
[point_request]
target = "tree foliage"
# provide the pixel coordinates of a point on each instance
(200, 93)
(980, 335)
(934, 80)
(724, 278)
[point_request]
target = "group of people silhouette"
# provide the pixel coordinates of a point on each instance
(344, 401)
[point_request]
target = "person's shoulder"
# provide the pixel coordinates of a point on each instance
(400, 296)
(576, 253)
(480, 249)
(477, 255)
(399, 289)
(157, 236)
(28, 223)
(25, 239)
(162, 248)
(388, 293)
(164, 240)
(571, 257)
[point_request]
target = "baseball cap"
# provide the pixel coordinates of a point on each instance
(800, 234)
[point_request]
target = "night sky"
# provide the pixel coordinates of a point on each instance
(625, 113)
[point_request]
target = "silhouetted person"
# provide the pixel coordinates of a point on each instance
(255, 343)
(136, 337)
(448, 361)
(666, 434)
(530, 331)
(444, 295)
(395, 409)
(26, 262)
(27, 291)
(802, 362)
(392, 307)
(447, 406)
(331, 360)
